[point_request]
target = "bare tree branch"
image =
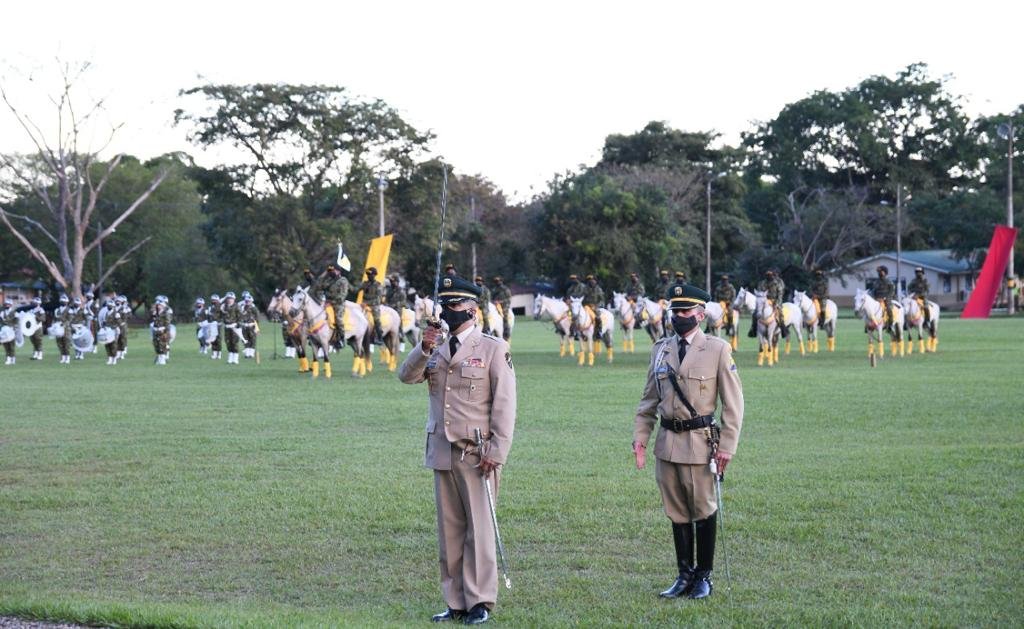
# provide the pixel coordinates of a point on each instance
(128, 211)
(36, 253)
(122, 259)
(32, 222)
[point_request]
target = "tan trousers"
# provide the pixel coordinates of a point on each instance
(687, 491)
(465, 535)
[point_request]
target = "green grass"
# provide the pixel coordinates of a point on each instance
(203, 495)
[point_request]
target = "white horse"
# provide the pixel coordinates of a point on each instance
(652, 315)
(810, 316)
(494, 320)
(715, 322)
(411, 330)
(626, 309)
(558, 312)
(768, 330)
(586, 325)
(391, 336)
(872, 313)
(357, 328)
(914, 319)
(745, 301)
(425, 308)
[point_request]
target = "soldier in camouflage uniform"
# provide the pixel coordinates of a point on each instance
(8, 318)
(160, 324)
(78, 317)
(502, 297)
(121, 303)
(371, 298)
(884, 291)
(483, 301)
(336, 289)
(92, 308)
(113, 319)
(198, 317)
(395, 297)
(725, 292)
(774, 288)
(37, 337)
(664, 282)
(819, 293)
(214, 316)
(593, 298)
(62, 315)
(574, 289)
(248, 319)
(918, 288)
(634, 288)
(232, 329)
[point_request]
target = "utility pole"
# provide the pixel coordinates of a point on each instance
(472, 213)
(899, 239)
(99, 257)
(381, 184)
(1005, 131)
(707, 233)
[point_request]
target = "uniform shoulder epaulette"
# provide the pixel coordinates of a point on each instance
(661, 341)
(487, 338)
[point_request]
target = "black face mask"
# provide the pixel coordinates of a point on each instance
(683, 325)
(455, 318)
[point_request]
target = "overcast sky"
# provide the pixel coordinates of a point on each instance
(516, 91)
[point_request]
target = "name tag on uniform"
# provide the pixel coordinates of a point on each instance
(473, 362)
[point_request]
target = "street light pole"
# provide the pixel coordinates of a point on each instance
(707, 233)
(1010, 306)
(899, 238)
(381, 184)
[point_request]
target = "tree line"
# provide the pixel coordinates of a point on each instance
(814, 187)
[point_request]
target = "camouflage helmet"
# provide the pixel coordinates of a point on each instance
(63, 298)
(229, 295)
(37, 300)
(215, 298)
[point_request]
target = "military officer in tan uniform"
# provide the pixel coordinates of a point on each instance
(472, 386)
(703, 370)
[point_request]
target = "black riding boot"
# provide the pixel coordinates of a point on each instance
(702, 585)
(753, 328)
(379, 335)
(682, 535)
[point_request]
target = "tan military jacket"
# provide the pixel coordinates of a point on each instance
(474, 389)
(707, 374)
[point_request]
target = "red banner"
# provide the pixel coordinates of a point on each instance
(992, 276)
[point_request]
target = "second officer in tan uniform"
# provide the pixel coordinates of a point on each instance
(472, 386)
(703, 370)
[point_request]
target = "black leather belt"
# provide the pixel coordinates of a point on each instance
(683, 425)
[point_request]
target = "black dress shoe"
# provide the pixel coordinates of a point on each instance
(682, 586)
(478, 615)
(454, 615)
(702, 585)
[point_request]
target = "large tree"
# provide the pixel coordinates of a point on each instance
(310, 156)
(66, 178)
(909, 130)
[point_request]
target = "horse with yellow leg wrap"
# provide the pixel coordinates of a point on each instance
(585, 321)
(391, 335)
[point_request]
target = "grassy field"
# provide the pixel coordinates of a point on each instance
(202, 495)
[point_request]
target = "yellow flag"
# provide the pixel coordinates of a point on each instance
(380, 251)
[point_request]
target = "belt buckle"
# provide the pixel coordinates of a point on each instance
(677, 424)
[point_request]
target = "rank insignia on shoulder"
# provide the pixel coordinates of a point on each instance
(473, 362)
(508, 359)
(732, 364)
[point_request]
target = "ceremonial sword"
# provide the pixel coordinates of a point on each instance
(494, 515)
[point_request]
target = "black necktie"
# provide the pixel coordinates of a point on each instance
(682, 350)
(453, 345)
